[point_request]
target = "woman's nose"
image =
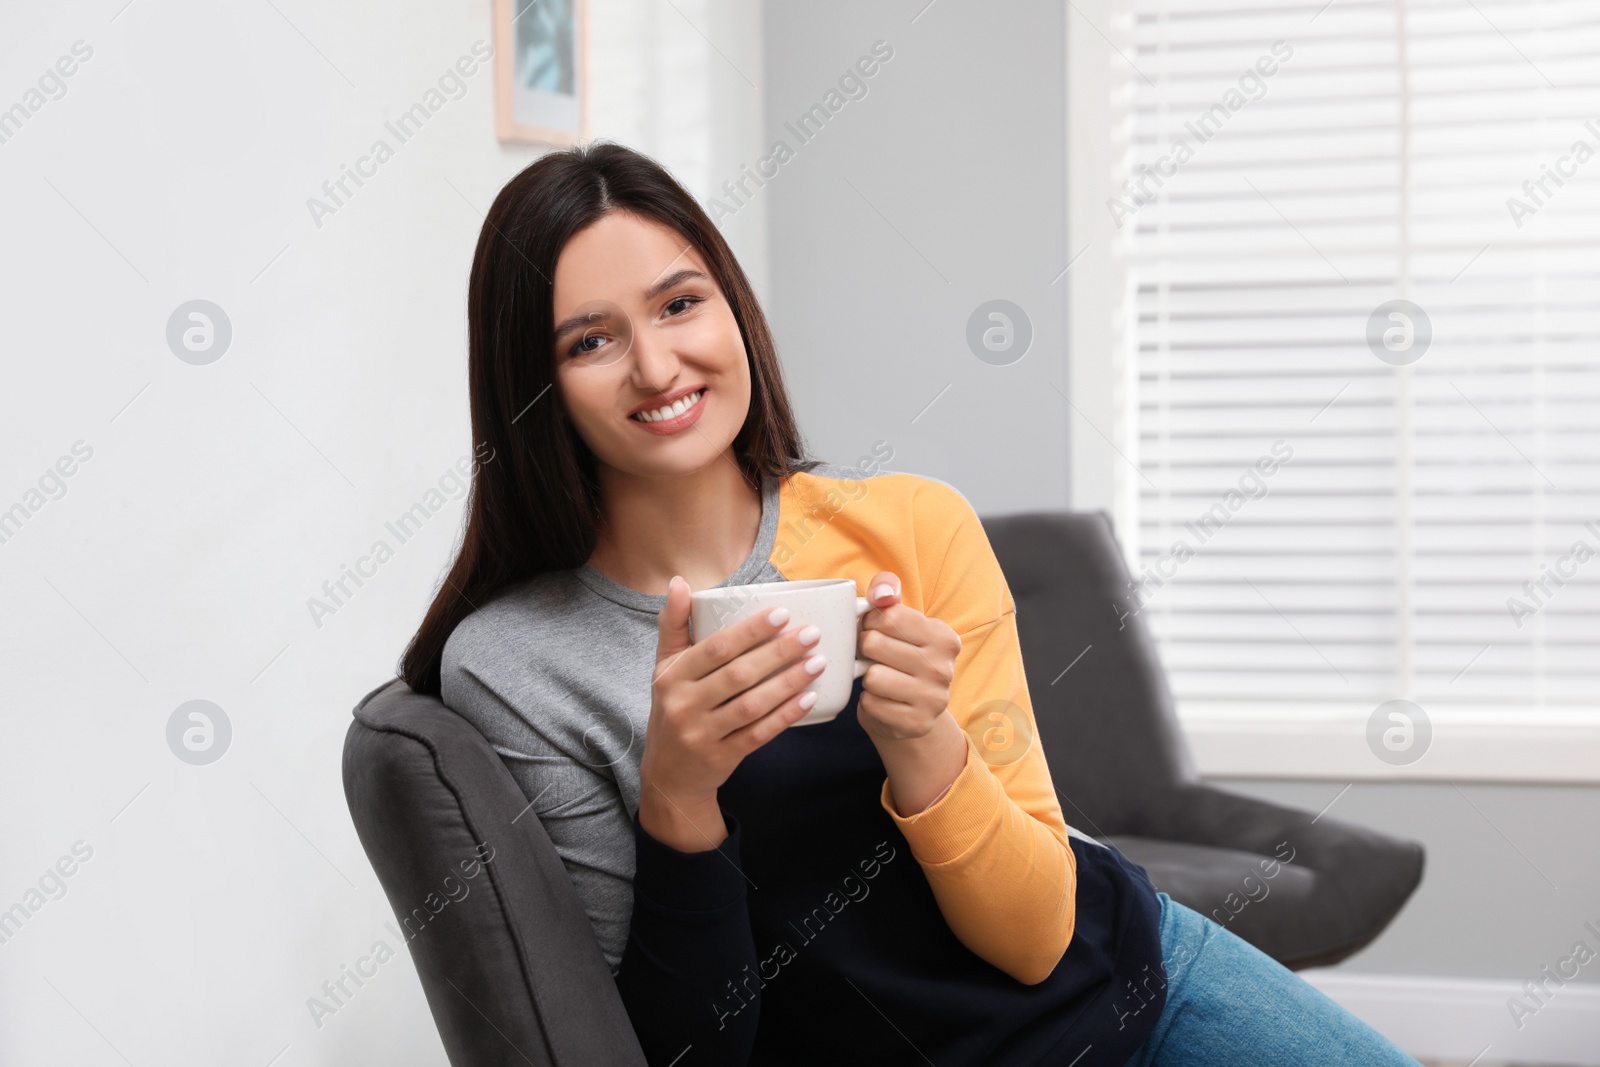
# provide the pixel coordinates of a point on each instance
(655, 364)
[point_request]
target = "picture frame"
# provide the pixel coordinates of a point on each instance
(541, 71)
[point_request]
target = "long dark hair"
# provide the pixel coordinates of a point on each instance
(535, 500)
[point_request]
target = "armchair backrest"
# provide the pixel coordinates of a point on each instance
(1110, 734)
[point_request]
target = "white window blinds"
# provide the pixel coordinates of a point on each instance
(1343, 502)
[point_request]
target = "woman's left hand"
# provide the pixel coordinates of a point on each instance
(907, 686)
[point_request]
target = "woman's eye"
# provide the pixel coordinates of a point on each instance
(581, 348)
(692, 300)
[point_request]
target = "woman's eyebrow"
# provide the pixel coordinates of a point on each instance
(677, 277)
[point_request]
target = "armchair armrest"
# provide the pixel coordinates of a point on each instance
(505, 953)
(1358, 880)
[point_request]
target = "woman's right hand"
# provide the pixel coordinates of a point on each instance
(709, 708)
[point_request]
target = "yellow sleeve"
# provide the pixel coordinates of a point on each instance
(994, 846)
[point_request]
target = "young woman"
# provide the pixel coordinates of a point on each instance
(896, 885)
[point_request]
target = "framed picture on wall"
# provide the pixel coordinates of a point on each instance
(541, 71)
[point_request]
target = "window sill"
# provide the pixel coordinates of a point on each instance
(1501, 744)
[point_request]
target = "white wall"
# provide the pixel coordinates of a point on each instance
(178, 564)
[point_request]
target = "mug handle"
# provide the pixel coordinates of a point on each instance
(863, 605)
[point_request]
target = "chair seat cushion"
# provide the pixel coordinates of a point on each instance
(1273, 905)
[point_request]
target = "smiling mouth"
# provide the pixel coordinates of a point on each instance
(670, 411)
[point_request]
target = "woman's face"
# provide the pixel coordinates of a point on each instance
(641, 326)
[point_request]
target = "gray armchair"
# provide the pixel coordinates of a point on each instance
(507, 958)
(1125, 774)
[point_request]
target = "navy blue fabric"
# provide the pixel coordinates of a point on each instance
(811, 936)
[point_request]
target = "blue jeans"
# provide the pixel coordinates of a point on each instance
(1228, 1003)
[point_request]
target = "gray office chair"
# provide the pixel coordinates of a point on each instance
(511, 969)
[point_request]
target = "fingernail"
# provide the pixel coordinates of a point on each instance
(778, 616)
(815, 664)
(809, 635)
(807, 700)
(883, 591)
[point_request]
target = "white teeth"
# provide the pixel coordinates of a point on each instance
(671, 410)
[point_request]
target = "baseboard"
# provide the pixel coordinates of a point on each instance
(1461, 1019)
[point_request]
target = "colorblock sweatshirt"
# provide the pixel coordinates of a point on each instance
(827, 927)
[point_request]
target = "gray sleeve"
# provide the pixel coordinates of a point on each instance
(579, 805)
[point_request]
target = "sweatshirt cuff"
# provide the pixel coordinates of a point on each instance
(956, 821)
(688, 883)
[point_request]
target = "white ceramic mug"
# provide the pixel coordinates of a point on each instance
(829, 604)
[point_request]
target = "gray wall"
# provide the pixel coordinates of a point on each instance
(959, 145)
(1512, 871)
(938, 190)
